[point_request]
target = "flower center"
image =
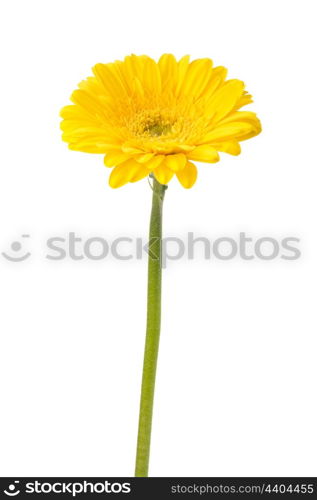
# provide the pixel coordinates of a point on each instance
(152, 124)
(157, 128)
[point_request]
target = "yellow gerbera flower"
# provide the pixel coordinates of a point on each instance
(155, 117)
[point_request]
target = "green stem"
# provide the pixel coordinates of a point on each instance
(153, 327)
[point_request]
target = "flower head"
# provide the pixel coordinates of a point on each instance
(157, 117)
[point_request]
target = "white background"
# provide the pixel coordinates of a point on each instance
(236, 385)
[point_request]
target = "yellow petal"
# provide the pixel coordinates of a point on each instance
(127, 148)
(241, 116)
(224, 99)
(184, 147)
(123, 173)
(106, 75)
(187, 177)
(204, 153)
(197, 77)
(91, 104)
(217, 77)
(71, 125)
(154, 162)
(175, 162)
(152, 76)
(235, 130)
(90, 134)
(168, 69)
(133, 67)
(230, 147)
(115, 158)
(139, 174)
(144, 158)
(74, 112)
(163, 174)
(243, 100)
(182, 68)
(137, 88)
(86, 148)
(90, 147)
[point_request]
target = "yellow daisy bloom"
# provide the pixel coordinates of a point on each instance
(157, 117)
